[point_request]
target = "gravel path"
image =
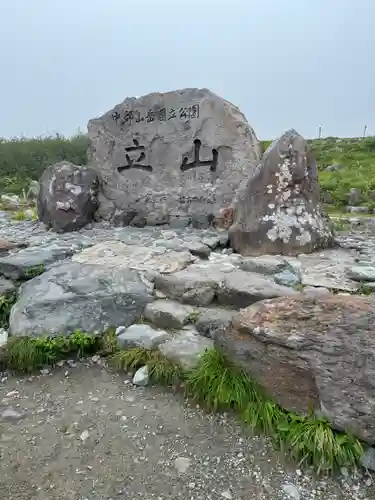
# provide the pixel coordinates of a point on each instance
(84, 433)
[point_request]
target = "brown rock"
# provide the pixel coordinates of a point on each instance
(6, 245)
(311, 353)
(279, 210)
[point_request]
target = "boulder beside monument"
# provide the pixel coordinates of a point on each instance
(175, 154)
(278, 211)
(68, 196)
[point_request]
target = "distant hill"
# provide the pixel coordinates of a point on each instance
(22, 160)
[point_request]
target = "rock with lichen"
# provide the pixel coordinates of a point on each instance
(310, 354)
(279, 210)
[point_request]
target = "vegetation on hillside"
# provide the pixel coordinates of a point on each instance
(23, 160)
(357, 158)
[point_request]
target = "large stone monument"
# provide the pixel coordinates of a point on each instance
(169, 155)
(279, 210)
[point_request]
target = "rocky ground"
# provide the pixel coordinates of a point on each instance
(82, 432)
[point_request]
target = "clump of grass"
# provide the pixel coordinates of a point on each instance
(160, 369)
(341, 224)
(219, 385)
(312, 441)
(6, 303)
(26, 354)
(108, 343)
(309, 440)
(20, 215)
(363, 289)
(32, 271)
(192, 318)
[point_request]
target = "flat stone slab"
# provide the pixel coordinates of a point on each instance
(264, 264)
(186, 348)
(16, 266)
(140, 335)
(214, 320)
(115, 254)
(241, 289)
(168, 314)
(201, 285)
(6, 286)
(189, 286)
(326, 269)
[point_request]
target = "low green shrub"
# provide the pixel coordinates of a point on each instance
(26, 354)
(161, 369)
(20, 215)
(192, 318)
(33, 271)
(218, 385)
(6, 303)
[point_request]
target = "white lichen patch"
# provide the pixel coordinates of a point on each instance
(63, 205)
(73, 188)
(295, 220)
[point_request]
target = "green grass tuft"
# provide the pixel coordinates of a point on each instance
(192, 318)
(32, 271)
(19, 215)
(218, 385)
(6, 303)
(312, 441)
(161, 370)
(26, 354)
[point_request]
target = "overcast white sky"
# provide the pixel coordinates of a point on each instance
(285, 63)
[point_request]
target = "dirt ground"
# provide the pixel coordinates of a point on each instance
(82, 432)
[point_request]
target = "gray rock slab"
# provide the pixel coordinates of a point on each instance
(327, 269)
(263, 264)
(6, 286)
(362, 273)
(115, 254)
(140, 335)
(186, 348)
(367, 460)
(16, 266)
(199, 249)
(287, 278)
(168, 314)
(241, 289)
(188, 286)
(178, 153)
(73, 296)
(214, 320)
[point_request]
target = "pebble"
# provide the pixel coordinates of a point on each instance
(291, 491)
(182, 464)
(141, 377)
(226, 494)
(11, 414)
(85, 435)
